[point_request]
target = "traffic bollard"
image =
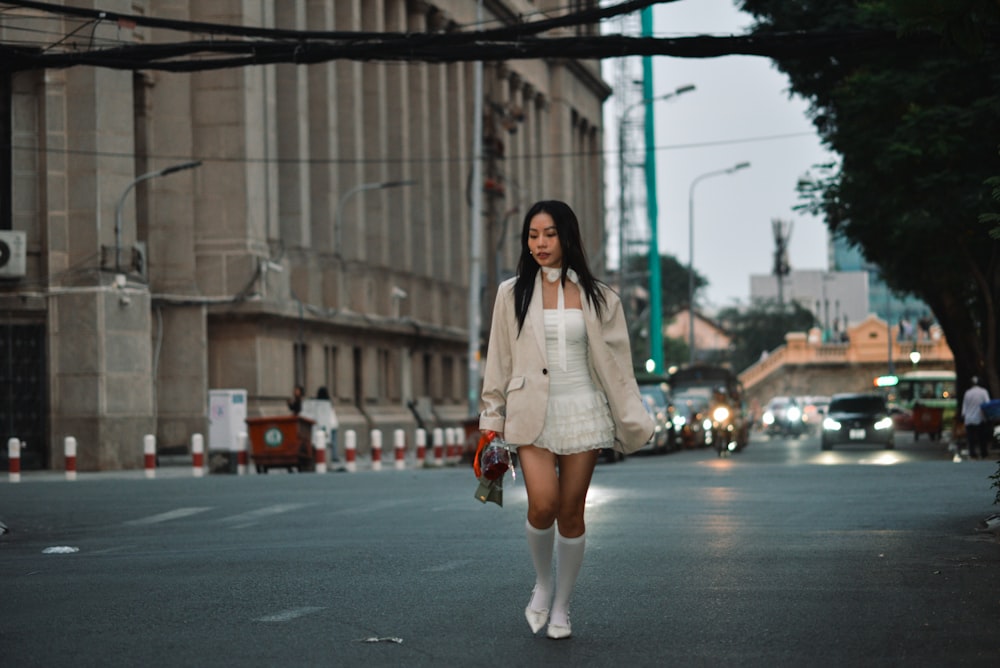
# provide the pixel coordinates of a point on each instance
(350, 451)
(421, 441)
(197, 455)
(319, 442)
(438, 446)
(149, 452)
(69, 450)
(399, 441)
(14, 459)
(376, 449)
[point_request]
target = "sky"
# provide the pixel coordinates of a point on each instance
(735, 98)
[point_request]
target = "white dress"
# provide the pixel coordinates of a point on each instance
(578, 418)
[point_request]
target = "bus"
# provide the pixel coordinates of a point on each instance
(928, 388)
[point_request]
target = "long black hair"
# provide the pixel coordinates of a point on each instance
(573, 257)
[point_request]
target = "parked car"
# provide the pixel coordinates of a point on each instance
(858, 418)
(654, 397)
(783, 416)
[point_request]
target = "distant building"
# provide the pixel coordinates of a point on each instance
(712, 343)
(835, 298)
(324, 240)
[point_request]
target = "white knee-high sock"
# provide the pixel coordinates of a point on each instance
(540, 542)
(569, 558)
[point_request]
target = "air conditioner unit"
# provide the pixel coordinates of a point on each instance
(12, 251)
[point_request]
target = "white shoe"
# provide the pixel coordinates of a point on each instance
(559, 631)
(536, 618)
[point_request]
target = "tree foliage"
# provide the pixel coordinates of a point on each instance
(761, 328)
(673, 281)
(673, 299)
(918, 140)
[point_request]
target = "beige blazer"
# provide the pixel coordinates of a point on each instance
(516, 382)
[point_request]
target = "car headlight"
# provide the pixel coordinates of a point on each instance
(830, 424)
(706, 424)
(884, 423)
(720, 414)
(679, 421)
(793, 414)
(767, 418)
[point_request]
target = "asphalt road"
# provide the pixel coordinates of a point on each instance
(781, 555)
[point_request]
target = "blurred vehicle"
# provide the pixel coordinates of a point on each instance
(935, 389)
(725, 435)
(902, 419)
(783, 417)
(858, 418)
(691, 422)
(657, 402)
(813, 411)
(713, 398)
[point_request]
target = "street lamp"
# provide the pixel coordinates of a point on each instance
(339, 215)
(623, 119)
(121, 201)
(718, 172)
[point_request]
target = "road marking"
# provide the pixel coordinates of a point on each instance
(250, 517)
(449, 566)
(167, 516)
(289, 615)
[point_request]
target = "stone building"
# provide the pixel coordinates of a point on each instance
(323, 238)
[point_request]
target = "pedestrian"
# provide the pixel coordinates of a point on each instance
(324, 416)
(972, 415)
(295, 403)
(559, 386)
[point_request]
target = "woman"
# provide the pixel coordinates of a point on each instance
(559, 386)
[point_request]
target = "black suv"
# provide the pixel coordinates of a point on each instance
(858, 418)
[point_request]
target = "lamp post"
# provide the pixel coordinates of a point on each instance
(339, 215)
(121, 201)
(718, 172)
(623, 119)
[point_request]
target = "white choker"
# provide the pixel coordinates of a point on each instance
(552, 274)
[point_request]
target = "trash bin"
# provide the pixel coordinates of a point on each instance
(927, 420)
(282, 441)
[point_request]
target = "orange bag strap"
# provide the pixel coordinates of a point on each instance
(484, 440)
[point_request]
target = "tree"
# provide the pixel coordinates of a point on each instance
(762, 328)
(673, 299)
(918, 140)
(673, 281)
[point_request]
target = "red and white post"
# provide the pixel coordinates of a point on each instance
(149, 453)
(319, 442)
(350, 451)
(241, 454)
(14, 459)
(438, 446)
(69, 451)
(399, 443)
(376, 449)
(421, 442)
(197, 455)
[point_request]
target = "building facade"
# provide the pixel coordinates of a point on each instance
(835, 298)
(322, 238)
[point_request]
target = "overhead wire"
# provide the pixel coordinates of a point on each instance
(239, 46)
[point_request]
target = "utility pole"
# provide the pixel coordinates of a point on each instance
(781, 266)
